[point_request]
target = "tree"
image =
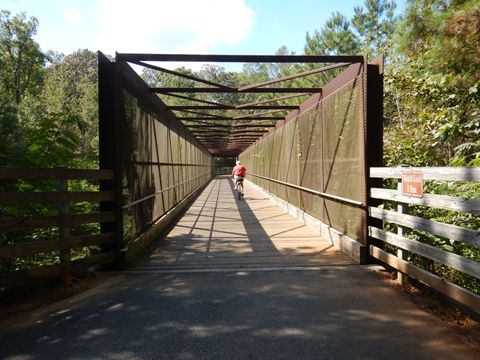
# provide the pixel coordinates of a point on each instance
(368, 32)
(433, 85)
(64, 118)
(21, 61)
(335, 38)
(21, 77)
(375, 26)
(9, 132)
(445, 35)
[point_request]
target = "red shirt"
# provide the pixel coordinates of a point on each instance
(239, 170)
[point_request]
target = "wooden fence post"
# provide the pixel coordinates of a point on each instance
(63, 214)
(402, 208)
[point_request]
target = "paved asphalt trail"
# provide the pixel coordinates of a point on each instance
(236, 280)
(332, 313)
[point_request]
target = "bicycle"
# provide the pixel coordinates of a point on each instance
(239, 183)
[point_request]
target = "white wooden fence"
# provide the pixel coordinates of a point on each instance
(404, 221)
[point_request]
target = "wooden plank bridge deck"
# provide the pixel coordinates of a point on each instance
(220, 232)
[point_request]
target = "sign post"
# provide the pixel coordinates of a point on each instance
(411, 185)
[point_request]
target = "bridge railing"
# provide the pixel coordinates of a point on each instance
(316, 159)
(159, 165)
(430, 237)
(50, 222)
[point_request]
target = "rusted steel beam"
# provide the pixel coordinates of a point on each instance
(192, 99)
(210, 116)
(212, 134)
(214, 146)
(241, 58)
(200, 122)
(193, 118)
(227, 138)
(247, 138)
(244, 139)
(210, 131)
(229, 118)
(218, 90)
(248, 116)
(232, 138)
(212, 137)
(247, 131)
(245, 127)
(179, 74)
(228, 107)
(252, 125)
(293, 76)
(110, 146)
(234, 129)
(272, 100)
(214, 140)
(137, 87)
(207, 126)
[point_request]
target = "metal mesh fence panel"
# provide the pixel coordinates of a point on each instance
(161, 166)
(322, 150)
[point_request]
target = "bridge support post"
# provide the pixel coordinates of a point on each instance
(109, 152)
(373, 140)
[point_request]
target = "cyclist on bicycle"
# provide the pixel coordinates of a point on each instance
(238, 173)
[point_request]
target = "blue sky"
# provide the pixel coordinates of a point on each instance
(178, 26)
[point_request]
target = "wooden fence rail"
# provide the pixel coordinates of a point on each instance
(64, 220)
(405, 221)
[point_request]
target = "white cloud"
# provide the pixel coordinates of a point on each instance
(170, 26)
(72, 16)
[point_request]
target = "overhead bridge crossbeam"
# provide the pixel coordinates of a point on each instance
(223, 105)
(222, 90)
(232, 107)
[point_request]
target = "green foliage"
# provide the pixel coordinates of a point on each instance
(71, 93)
(9, 132)
(48, 117)
(375, 25)
(21, 61)
(335, 38)
(432, 88)
(368, 32)
(54, 140)
(445, 35)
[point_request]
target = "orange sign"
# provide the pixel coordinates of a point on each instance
(412, 183)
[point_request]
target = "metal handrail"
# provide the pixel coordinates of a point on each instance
(315, 192)
(138, 201)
